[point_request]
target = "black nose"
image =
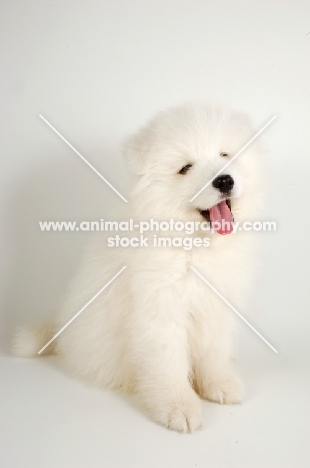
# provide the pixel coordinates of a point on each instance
(224, 183)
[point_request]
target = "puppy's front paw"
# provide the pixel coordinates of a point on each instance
(182, 416)
(228, 391)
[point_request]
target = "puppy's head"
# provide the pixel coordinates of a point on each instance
(180, 151)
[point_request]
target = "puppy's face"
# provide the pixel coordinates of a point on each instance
(185, 148)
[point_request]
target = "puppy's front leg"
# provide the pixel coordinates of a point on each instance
(158, 352)
(215, 377)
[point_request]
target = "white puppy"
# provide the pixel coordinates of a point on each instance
(158, 331)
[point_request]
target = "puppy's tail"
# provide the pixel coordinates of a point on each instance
(28, 341)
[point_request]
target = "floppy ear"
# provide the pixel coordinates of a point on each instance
(135, 150)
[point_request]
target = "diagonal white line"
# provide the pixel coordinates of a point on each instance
(232, 159)
(83, 308)
(82, 157)
(233, 309)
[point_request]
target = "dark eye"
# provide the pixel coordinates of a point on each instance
(185, 169)
(224, 155)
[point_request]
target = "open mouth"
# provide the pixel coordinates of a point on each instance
(220, 217)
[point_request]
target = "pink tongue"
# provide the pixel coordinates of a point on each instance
(221, 218)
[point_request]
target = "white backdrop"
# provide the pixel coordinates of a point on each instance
(97, 71)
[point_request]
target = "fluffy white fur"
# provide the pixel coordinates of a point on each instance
(158, 331)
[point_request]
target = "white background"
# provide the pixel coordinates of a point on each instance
(97, 71)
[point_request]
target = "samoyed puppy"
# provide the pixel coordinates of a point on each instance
(158, 331)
